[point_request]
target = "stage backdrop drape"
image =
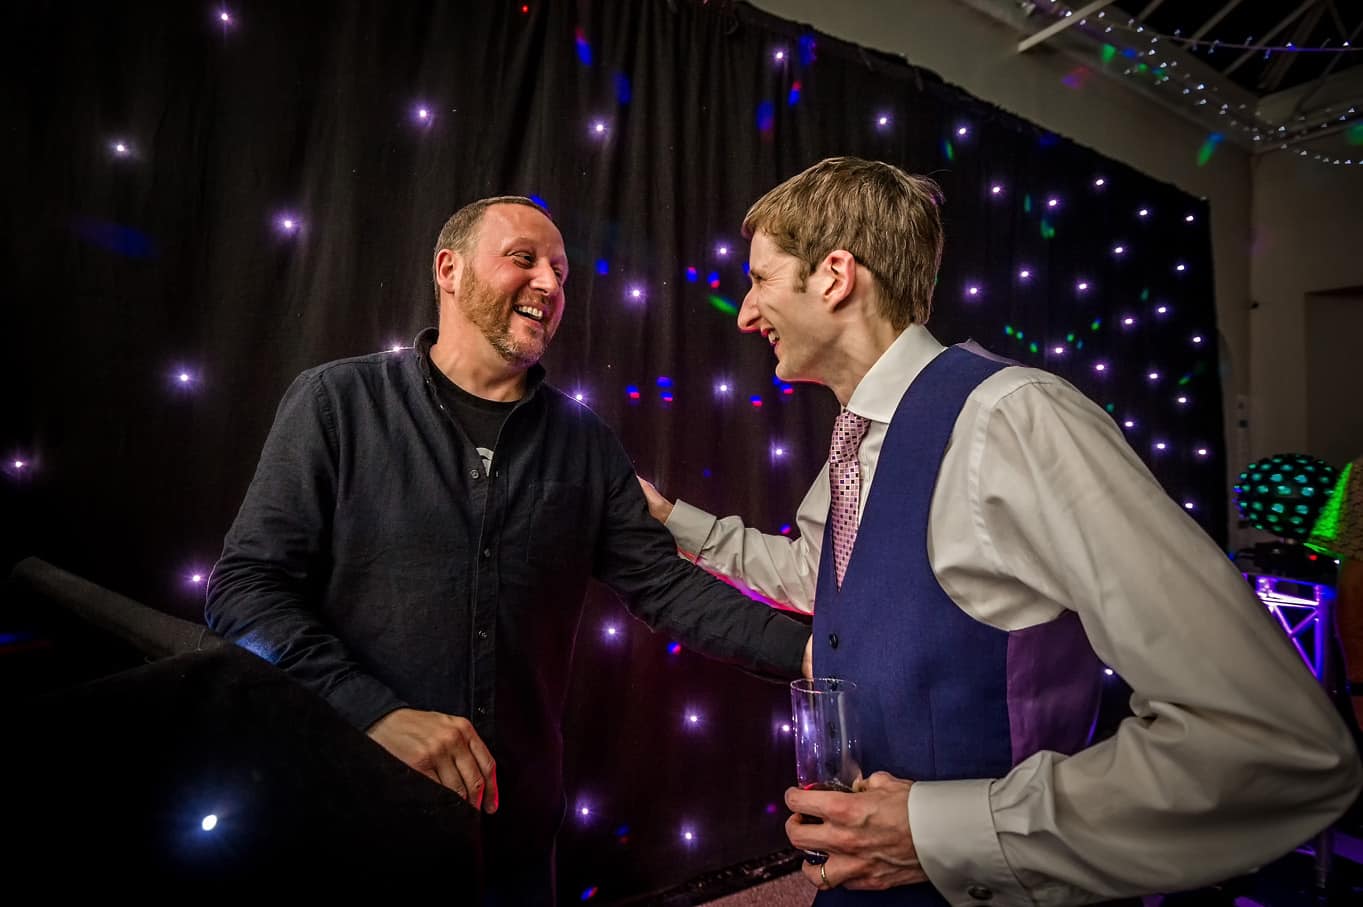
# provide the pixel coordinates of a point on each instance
(203, 200)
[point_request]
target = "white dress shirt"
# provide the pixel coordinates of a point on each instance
(1234, 755)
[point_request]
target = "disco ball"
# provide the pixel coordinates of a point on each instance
(1283, 494)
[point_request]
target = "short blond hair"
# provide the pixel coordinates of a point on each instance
(888, 219)
(462, 227)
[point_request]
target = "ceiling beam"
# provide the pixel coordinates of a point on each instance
(1060, 25)
(1217, 17)
(1277, 70)
(1150, 8)
(1268, 38)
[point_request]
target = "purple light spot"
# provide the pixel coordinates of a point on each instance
(756, 402)
(598, 127)
(1082, 286)
(1025, 274)
(196, 578)
(1180, 267)
(1128, 321)
(882, 121)
(1163, 310)
(693, 719)
(1099, 182)
(688, 836)
(1202, 451)
(612, 630)
(972, 291)
(225, 17)
(1059, 350)
(636, 293)
(722, 388)
(1100, 366)
(1182, 401)
(996, 189)
(1188, 505)
(1144, 212)
(1197, 338)
(674, 648)
(692, 275)
(961, 131)
(1153, 376)
(785, 529)
(183, 377)
(1188, 219)
(1107, 671)
(1118, 250)
(19, 464)
(1129, 423)
(584, 811)
(722, 250)
(1052, 202)
(579, 397)
(1160, 445)
(423, 114)
(779, 56)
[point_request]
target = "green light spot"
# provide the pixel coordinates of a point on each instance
(1142, 68)
(721, 304)
(1069, 338)
(1109, 53)
(1019, 335)
(1027, 203)
(1079, 344)
(1008, 330)
(1185, 380)
(1145, 294)
(1032, 346)
(949, 149)
(1111, 407)
(1095, 324)
(1047, 231)
(1355, 134)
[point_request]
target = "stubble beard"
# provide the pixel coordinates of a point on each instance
(491, 313)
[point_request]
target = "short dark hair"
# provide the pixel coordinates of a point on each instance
(462, 227)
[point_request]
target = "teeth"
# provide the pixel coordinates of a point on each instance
(773, 337)
(537, 314)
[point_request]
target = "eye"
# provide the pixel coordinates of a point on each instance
(524, 259)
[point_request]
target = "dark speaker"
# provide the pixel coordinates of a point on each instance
(217, 767)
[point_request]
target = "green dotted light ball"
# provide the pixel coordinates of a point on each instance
(1283, 494)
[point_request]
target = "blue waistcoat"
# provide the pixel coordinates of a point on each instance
(940, 695)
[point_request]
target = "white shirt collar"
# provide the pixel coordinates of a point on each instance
(877, 396)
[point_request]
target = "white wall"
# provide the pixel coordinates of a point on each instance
(1307, 239)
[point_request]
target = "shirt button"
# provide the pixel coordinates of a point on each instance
(482, 634)
(833, 644)
(487, 552)
(473, 474)
(979, 892)
(482, 710)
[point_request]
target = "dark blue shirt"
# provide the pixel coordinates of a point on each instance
(381, 564)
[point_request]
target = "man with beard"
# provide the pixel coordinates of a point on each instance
(416, 544)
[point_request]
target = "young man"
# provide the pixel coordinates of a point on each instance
(416, 544)
(982, 542)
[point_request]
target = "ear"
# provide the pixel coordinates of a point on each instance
(838, 271)
(448, 269)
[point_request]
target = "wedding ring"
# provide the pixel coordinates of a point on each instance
(823, 874)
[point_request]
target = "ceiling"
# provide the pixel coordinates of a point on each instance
(1282, 76)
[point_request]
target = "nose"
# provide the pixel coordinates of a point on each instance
(747, 314)
(544, 280)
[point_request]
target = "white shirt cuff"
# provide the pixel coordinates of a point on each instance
(690, 526)
(953, 831)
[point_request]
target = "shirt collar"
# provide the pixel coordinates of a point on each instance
(534, 376)
(877, 396)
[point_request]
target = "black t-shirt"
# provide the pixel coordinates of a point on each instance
(481, 419)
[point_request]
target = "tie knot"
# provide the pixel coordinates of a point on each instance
(848, 430)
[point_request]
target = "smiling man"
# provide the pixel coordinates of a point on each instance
(416, 544)
(981, 542)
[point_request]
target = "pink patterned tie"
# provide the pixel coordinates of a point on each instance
(844, 481)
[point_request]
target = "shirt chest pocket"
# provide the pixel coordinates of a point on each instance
(558, 530)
